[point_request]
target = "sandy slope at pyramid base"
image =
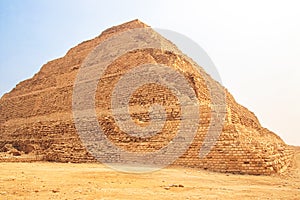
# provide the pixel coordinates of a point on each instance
(90, 181)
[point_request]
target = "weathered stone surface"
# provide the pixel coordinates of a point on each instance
(36, 116)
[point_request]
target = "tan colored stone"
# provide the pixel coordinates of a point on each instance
(36, 115)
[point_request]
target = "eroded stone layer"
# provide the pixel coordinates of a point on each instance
(36, 121)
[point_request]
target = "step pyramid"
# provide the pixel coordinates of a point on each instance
(40, 118)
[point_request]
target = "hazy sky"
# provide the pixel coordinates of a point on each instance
(255, 44)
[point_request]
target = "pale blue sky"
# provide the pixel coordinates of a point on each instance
(254, 44)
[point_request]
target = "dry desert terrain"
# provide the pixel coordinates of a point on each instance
(44, 180)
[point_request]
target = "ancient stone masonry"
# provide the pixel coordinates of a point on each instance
(36, 120)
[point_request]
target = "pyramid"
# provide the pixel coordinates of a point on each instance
(39, 117)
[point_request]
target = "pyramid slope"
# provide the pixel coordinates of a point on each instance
(36, 118)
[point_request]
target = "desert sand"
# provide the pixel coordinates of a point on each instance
(45, 180)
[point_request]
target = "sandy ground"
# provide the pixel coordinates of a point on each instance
(42, 180)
